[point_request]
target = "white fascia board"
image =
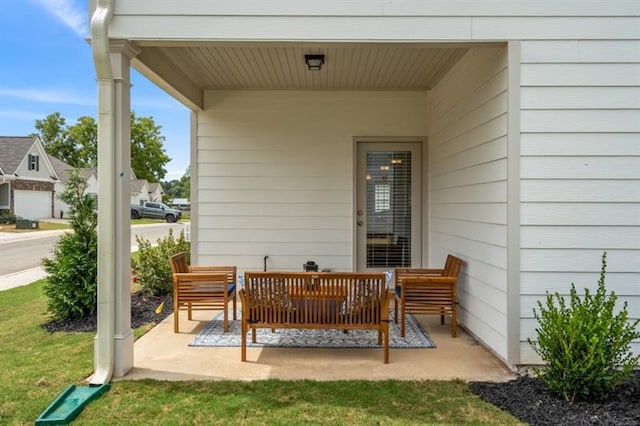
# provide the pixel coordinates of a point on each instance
(43, 154)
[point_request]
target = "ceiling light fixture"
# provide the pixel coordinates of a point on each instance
(314, 62)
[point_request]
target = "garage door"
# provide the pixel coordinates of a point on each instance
(32, 204)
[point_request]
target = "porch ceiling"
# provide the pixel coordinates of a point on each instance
(188, 69)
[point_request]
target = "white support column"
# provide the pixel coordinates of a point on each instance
(513, 207)
(121, 53)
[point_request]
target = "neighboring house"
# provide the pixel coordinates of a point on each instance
(91, 177)
(504, 132)
(155, 192)
(27, 178)
(60, 208)
(140, 191)
(180, 203)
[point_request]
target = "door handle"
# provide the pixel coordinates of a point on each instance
(360, 223)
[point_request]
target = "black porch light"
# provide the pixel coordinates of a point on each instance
(314, 61)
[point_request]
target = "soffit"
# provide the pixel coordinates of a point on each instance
(392, 66)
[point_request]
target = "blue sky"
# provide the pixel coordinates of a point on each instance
(46, 66)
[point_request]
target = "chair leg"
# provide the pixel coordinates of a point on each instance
(243, 342)
(189, 310)
(386, 344)
(253, 335)
(379, 337)
(454, 322)
(395, 310)
(176, 313)
(234, 307)
(402, 314)
(225, 322)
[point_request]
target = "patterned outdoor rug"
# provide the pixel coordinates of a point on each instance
(415, 336)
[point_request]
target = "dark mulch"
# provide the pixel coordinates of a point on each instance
(528, 399)
(143, 307)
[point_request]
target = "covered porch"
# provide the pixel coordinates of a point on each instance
(163, 355)
(274, 175)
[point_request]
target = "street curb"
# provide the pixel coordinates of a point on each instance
(21, 278)
(11, 237)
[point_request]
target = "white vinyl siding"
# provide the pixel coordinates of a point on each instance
(580, 170)
(468, 188)
(376, 20)
(58, 204)
(275, 172)
(43, 172)
(491, 8)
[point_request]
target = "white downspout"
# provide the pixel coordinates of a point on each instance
(105, 346)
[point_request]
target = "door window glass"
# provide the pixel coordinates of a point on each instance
(388, 209)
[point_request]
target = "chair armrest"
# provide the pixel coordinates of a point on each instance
(417, 281)
(189, 276)
(432, 271)
(203, 268)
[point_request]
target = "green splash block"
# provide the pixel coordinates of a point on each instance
(69, 404)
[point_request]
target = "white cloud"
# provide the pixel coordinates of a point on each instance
(69, 12)
(174, 174)
(20, 114)
(49, 96)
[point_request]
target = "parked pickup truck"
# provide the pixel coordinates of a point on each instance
(155, 211)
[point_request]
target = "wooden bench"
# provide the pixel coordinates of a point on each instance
(313, 300)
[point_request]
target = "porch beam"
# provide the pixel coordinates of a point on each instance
(154, 65)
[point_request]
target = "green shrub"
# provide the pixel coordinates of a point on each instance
(7, 217)
(152, 269)
(72, 272)
(585, 346)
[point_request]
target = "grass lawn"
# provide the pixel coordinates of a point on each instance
(37, 366)
(42, 226)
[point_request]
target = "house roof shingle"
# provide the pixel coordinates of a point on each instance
(137, 185)
(62, 169)
(154, 186)
(12, 150)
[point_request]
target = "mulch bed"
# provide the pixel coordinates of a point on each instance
(528, 399)
(143, 307)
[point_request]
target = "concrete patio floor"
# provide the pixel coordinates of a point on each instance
(163, 355)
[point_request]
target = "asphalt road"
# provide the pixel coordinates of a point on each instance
(26, 254)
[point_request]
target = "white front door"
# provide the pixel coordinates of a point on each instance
(388, 216)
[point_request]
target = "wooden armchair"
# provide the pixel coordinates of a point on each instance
(428, 291)
(202, 288)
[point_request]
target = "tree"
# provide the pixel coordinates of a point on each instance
(148, 156)
(178, 188)
(72, 273)
(77, 144)
(185, 180)
(53, 134)
(84, 136)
